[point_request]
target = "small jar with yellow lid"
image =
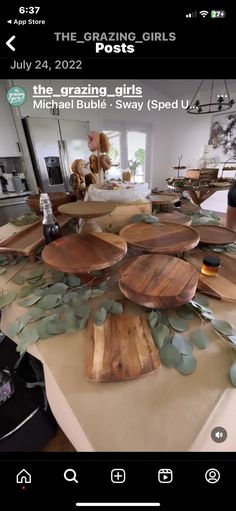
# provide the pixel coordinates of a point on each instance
(210, 266)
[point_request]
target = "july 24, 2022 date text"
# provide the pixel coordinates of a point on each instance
(47, 65)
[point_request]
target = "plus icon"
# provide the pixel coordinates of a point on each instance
(118, 475)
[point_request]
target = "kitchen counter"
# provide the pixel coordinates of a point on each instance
(165, 411)
(11, 195)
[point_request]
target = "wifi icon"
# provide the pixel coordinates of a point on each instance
(204, 13)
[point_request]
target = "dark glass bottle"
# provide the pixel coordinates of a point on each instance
(51, 228)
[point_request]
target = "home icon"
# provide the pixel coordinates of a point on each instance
(23, 477)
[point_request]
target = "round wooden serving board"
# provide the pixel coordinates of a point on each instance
(215, 235)
(81, 253)
(174, 218)
(86, 210)
(160, 238)
(163, 198)
(159, 281)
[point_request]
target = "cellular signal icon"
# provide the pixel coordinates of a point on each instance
(204, 13)
(191, 15)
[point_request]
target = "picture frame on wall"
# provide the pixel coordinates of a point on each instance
(222, 135)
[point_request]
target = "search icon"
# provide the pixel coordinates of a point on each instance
(70, 475)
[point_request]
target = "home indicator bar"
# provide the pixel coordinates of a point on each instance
(117, 504)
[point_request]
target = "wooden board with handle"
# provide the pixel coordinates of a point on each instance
(160, 238)
(158, 281)
(223, 286)
(121, 349)
(26, 241)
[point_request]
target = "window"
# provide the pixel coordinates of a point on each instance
(130, 149)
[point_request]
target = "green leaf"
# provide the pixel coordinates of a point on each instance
(201, 300)
(57, 276)
(159, 334)
(2, 270)
(49, 302)
(100, 316)
(29, 316)
(69, 296)
(42, 325)
(151, 219)
(86, 295)
(28, 336)
(18, 279)
(117, 308)
(222, 326)
(153, 318)
(58, 288)
(107, 304)
(232, 338)
(137, 218)
(96, 273)
(25, 291)
(182, 345)
(71, 322)
(199, 338)
(73, 281)
(7, 299)
(187, 365)
(178, 324)
(185, 312)
(29, 301)
(56, 327)
(33, 280)
(82, 311)
(3, 259)
(13, 329)
(82, 323)
(103, 286)
(232, 374)
(169, 355)
(36, 272)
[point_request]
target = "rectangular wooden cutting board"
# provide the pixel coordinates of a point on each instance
(120, 349)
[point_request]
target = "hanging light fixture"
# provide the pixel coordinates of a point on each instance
(218, 103)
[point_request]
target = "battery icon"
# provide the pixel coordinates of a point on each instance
(218, 14)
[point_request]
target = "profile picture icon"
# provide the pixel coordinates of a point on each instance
(212, 475)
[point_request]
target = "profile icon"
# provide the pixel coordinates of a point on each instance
(212, 475)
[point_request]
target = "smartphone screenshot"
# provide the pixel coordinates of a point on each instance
(117, 256)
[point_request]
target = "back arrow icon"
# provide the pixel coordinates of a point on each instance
(8, 43)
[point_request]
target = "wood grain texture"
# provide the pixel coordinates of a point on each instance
(174, 218)
(81, 253)
(163, 198)
(162, 239)
(158, 281)
(223, 286)
(25, 242)
(89, 209)
(215, 235)
(120, 349)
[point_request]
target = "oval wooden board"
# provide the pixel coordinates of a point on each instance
(160, 238)
(158, 281)
(174, 218)
(223, 286)
(120, 349)
(81, 253)
(89, 209)
(215, 235)
(163, 198)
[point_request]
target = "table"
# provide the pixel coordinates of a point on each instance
(160, 412)
(199, 194)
